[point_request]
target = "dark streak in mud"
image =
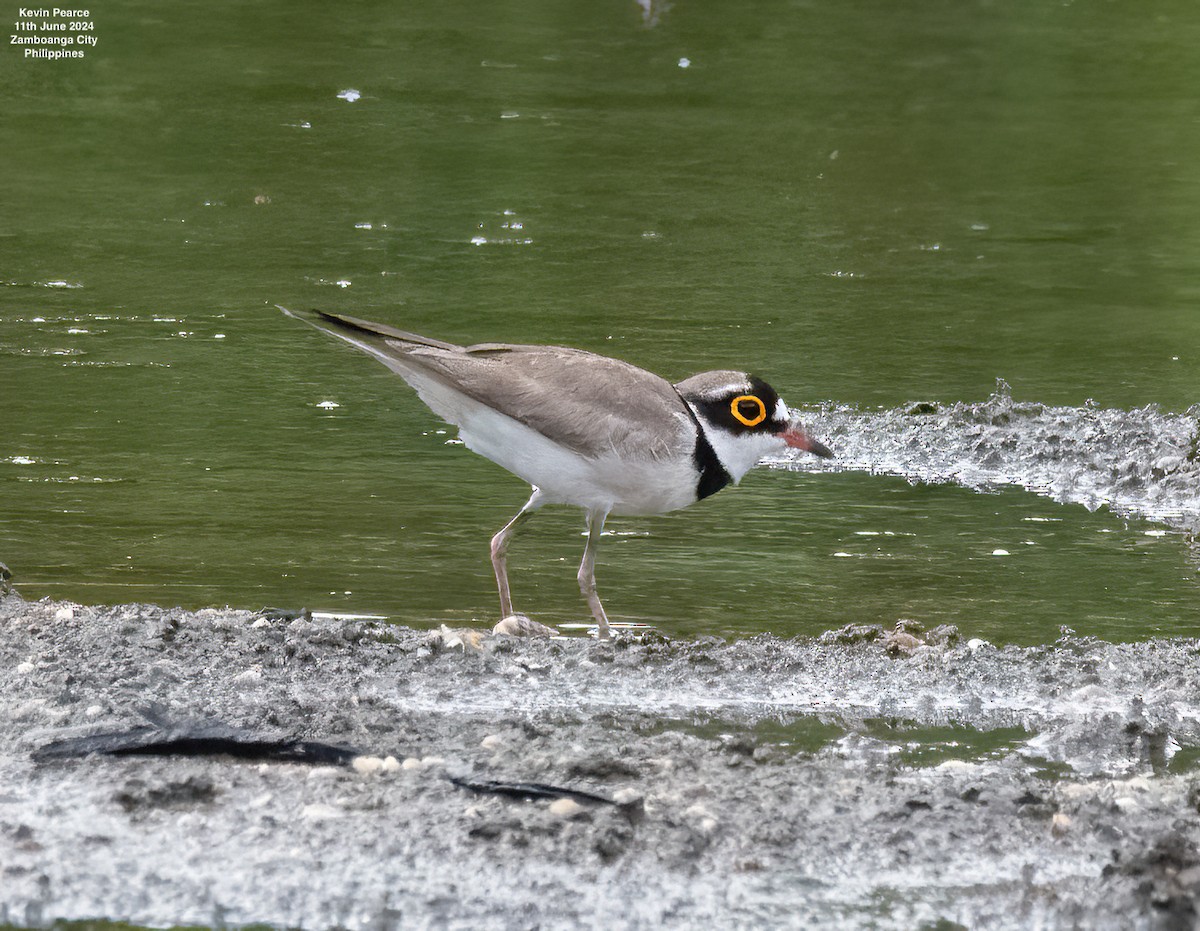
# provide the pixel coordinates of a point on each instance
(868, 778)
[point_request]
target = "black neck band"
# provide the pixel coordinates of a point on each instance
(713, 476)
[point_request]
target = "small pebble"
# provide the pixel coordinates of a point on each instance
(900, 641)
(464, 637)
(367, 764)
(518, 625)
(702, 819)
(391, 764)
(1189, 877)
(412, 763)
(64, 614)
(1060, 824)
(1127, 804)
(567, 808)
(492, 742)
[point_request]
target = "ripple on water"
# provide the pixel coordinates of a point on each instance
(505, 228)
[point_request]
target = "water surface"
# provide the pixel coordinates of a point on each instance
(869, 206)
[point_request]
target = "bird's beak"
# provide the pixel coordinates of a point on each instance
(796, 437)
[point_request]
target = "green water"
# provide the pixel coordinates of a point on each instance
(866, 203)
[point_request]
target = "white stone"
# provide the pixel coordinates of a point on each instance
(566, 808)
(366, 765)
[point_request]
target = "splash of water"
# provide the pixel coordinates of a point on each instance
(1139, 463)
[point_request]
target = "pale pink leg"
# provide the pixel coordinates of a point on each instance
(500, 550)
(587, 571)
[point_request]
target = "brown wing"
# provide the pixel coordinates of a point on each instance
(590, 403)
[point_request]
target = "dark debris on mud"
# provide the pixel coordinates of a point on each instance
(755, 783)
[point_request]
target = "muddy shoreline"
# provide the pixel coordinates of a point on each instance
(859, 779)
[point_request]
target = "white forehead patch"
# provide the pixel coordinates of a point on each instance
(721, 392)
(781, 411)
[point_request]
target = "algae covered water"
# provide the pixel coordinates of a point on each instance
(874, 209)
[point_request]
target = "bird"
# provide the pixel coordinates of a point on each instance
(584, 429)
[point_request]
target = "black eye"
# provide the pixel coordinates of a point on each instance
(748, 409)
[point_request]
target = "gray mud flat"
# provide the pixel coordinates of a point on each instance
(853, 780)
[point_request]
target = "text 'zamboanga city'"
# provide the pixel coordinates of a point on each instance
(52, 33)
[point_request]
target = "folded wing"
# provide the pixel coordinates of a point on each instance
(589, 403)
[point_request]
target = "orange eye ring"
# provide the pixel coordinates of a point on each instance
(742, 418)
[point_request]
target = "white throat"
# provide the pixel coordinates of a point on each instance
(738, 453)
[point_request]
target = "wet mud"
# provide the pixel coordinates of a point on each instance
(865, 778)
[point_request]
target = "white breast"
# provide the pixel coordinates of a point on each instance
(742, 452)
(621, 481)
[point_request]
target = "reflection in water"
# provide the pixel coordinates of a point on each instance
(653, 11)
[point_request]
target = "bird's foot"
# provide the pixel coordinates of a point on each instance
(520, 625)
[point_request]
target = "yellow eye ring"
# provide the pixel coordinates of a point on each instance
(742, 418)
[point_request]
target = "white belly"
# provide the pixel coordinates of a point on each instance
(619, 485)
(629, 482)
